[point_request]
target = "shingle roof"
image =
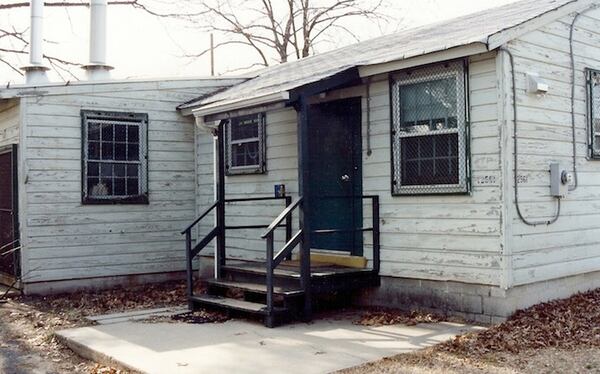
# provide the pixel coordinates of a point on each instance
(472, 28)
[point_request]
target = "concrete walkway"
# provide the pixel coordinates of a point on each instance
(247, 347)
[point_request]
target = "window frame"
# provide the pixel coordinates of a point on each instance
(458, 69)
(261, 167)
(112, 116)
(591, 135)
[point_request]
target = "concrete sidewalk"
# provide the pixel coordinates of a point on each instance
(246, 347)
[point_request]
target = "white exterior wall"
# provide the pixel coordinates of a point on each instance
(63, 239)
(282, 168)
(9, 122)
(441, 237)
(445, 237)
(571, 245)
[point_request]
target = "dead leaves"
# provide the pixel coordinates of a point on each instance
(564, 324)
(383, 317)
(201, 316)
(75, 306)
(100, 369)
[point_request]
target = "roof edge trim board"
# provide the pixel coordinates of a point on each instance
(245, 111)
(430, 58)
(227, 106)
(340, 79)
(502, 37)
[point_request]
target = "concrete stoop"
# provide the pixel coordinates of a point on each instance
(248, 347)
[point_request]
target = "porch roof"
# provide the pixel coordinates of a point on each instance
(487, 29)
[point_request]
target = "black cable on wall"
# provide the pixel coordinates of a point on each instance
(515, 154)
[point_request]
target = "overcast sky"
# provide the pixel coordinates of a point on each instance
(140, 45)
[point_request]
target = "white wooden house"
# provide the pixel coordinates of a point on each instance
(96, 181)
(470, 218)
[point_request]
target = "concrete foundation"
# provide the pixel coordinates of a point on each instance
(91, 284)
(481, 303)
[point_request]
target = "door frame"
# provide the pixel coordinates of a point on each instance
(13, 150)
(357, 179)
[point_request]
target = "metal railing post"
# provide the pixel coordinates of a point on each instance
(189, 268)
(220, 255)
(305, 277)
(376, 243)
(269, 275)
(288, 224)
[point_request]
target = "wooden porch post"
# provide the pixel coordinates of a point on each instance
(220, 255)
(303, 189)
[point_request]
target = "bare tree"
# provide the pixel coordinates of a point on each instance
(14, 43)
(285, 29)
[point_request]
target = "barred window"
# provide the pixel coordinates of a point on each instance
(115, 165)
(429, 137)
(594, 112)
(245, 140)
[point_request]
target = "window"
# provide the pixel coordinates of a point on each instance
(245, 150)
(594, 112)
(429, 130)
(115, 165)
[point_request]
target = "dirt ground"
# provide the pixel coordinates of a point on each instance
(561, 336)
(558, 337)
(542, 361)
(27, 325)
(27, 344)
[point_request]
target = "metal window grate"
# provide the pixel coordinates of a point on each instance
(115, 157)
(594, 112)
(245, 145)
(429, 130)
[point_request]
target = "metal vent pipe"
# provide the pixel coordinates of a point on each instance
(35, 72)
(97, 68)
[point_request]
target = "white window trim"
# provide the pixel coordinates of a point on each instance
(259, 168)
(127, 118)
(458, 71)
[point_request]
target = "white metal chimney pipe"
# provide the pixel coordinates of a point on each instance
(35, 72)
(98, 32)
(36, 38)
(97, 69)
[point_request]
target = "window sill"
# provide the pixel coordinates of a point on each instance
(440, 193)
(245, 171)
(137, 200)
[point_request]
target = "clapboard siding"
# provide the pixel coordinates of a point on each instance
(442, 237)
(67, 240)
(282, 168)
(9, 122)
(572, 244)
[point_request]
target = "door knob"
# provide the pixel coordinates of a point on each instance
(345, 178)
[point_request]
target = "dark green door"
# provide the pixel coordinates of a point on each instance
(335, 174)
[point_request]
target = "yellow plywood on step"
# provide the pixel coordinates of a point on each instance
(357, 262)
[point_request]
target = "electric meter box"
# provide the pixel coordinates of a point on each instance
(560, 179)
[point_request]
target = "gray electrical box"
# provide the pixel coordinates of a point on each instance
(560, 179)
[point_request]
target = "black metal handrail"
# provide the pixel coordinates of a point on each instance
(208, 210)
(272, 260)
(219, 232)
(262, 198)
(374, 228)
(190, 252)
(283, 215)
